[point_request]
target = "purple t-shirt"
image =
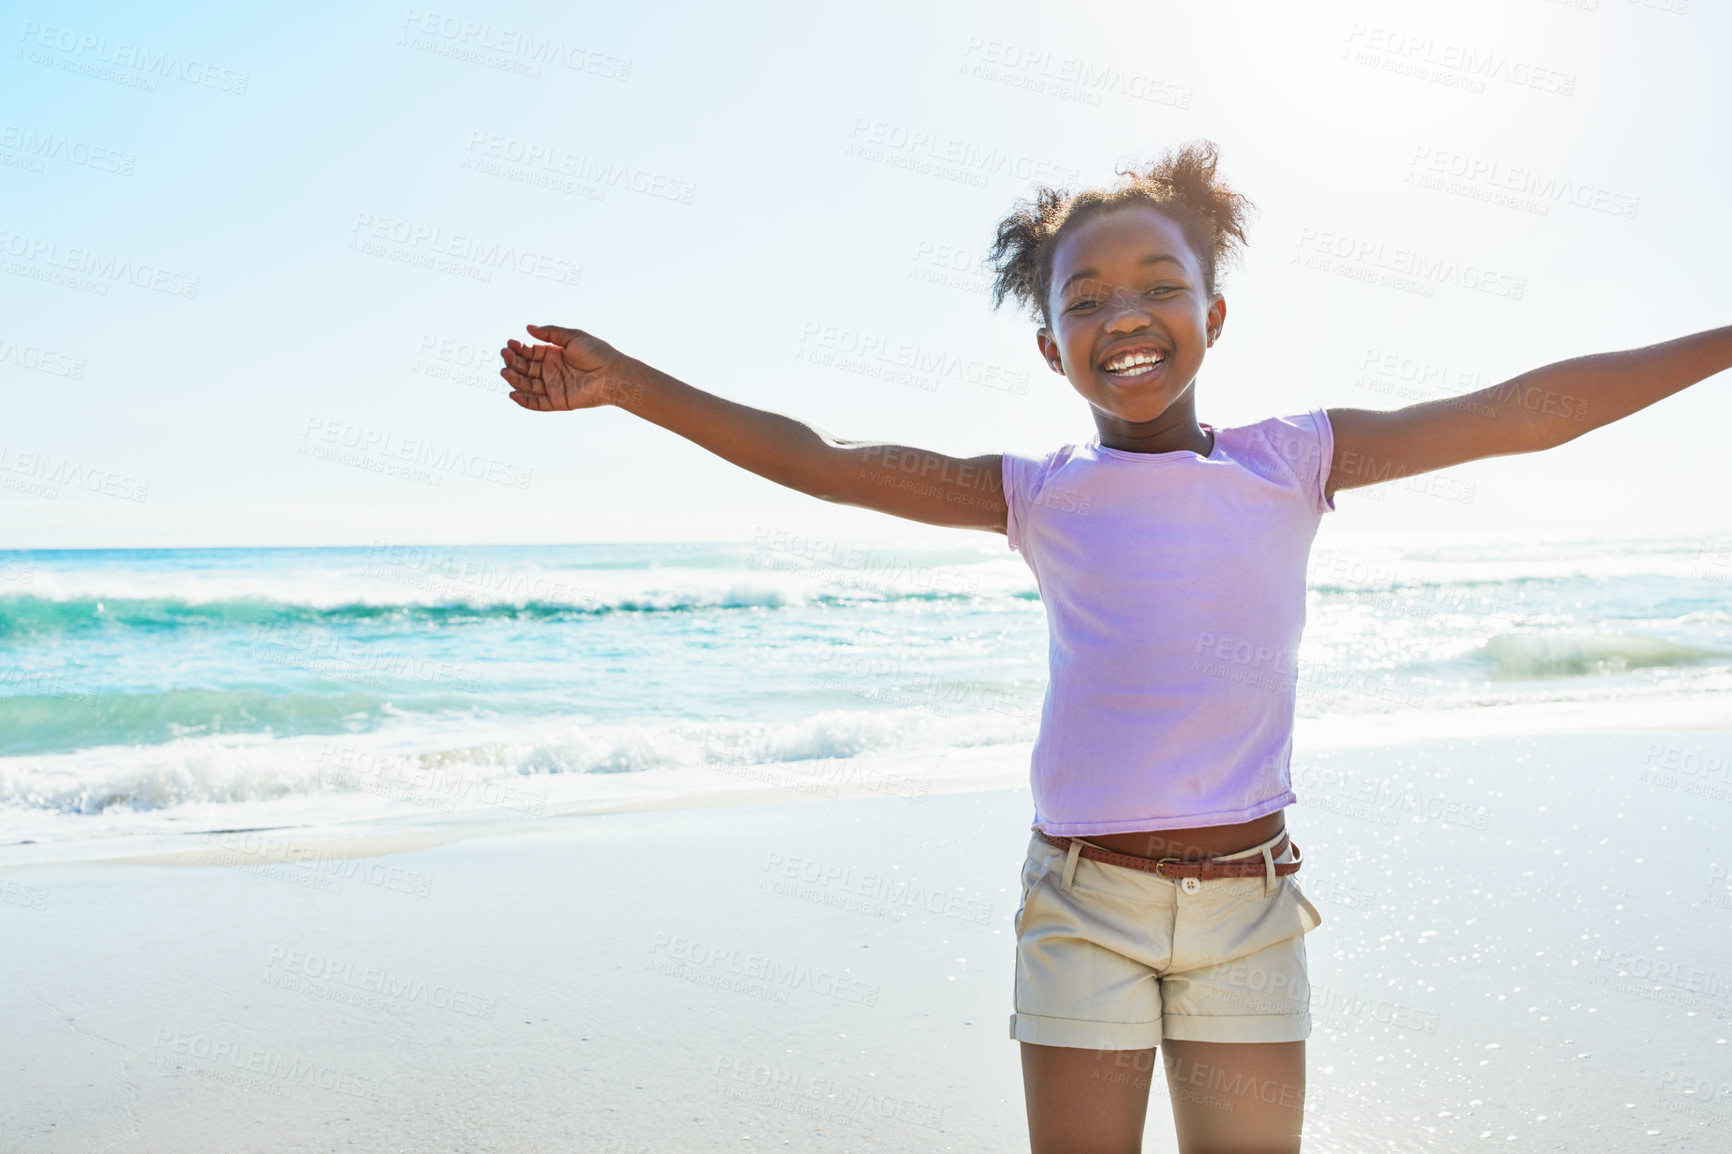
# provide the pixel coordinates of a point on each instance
(1174, 587)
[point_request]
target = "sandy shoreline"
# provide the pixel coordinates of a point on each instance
(1522, 935)
(329, 826)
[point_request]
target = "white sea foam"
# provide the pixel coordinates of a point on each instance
(447, 767)
(781, 580)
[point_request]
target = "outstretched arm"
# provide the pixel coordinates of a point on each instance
(578, 371)
(1537, 410)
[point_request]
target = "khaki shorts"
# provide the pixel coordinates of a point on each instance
(1113, 958)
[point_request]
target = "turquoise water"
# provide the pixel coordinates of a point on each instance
(149, 681)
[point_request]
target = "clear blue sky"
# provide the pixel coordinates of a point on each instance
(240, 239)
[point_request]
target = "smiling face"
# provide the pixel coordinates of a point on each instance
(1132, 316)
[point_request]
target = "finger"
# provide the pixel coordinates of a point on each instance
(529, 401)
(535, 363)
(554, 334)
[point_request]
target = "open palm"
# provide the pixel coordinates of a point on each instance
(572, 371)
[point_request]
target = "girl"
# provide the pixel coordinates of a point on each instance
(1159, 907)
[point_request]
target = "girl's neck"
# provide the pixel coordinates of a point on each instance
(1185, 432)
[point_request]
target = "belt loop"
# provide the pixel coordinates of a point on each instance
(1070, 863)
(1269, 872)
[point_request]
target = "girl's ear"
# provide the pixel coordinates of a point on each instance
(1217, 318)
(1048, 350)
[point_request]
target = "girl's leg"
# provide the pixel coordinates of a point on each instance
(1086, 1101)
(1238, 1097)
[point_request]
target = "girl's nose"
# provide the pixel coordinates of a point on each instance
(1127, 309)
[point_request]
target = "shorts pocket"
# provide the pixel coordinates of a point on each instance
(1028, 889)
(1308, 914)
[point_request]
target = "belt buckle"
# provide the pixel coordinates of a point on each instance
(1163, 861)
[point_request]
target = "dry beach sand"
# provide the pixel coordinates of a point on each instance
(1524, 946)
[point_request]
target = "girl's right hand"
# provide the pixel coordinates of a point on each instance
(573, 371)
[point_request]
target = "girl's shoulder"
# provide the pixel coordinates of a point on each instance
(1296, 448)
(1309, 425)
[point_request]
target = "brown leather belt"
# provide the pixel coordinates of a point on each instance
(1205, 869)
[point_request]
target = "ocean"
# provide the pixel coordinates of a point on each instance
(149, 691)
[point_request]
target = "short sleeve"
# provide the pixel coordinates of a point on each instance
(1325, 459)
(1306, 442)
(1023, 478)
(1013, 500)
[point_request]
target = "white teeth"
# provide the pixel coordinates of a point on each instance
(1123, 364)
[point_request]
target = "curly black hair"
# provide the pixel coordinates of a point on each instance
(1182, 184)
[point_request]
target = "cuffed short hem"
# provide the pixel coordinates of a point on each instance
(1081, 1034)
(1237, 1027)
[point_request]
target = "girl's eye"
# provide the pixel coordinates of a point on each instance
(1159, 291)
